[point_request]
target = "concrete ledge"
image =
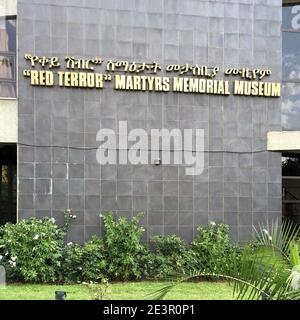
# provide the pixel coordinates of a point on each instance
(284, 141)
(8, 8)
(8, 121)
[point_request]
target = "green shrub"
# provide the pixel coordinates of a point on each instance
(71, 266)
(84, 262)
(124, 251)
(31, 250)
(34, 251)
(169, 246)
(94, 263)
(169, 256)
(211, 246)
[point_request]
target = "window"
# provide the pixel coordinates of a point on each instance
(291, 15)
(291, 165)
(8, 184)
(290, 117)
(291, 56)
(291, 65)
(8, 57)
(291, 186)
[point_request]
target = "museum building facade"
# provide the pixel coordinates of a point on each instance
(188, 111)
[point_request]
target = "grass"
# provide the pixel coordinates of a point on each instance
(121, 291)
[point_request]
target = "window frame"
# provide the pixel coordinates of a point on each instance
(13, 55)
(289, 177)
(287, 30)
(291, 4)
(285, 81)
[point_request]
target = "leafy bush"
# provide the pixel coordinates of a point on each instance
(169, 246)
(169, 256)
(94, 263)
(84, 262)
(124, 251)
(211, 247)
(267, 269)
(71, 266)
(31, 250)
(34, 251)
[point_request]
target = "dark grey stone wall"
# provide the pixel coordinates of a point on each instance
(241, 183)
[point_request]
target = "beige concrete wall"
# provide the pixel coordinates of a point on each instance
(8, 108)
(8, 121)
(284, 140)
(8, 7)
